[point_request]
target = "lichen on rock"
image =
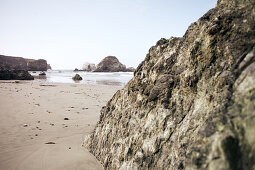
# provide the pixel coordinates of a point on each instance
(191, 103)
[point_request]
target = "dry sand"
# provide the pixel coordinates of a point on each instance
(32, 114)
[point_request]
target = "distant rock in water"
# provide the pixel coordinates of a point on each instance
(89, 67)
(110, 64)
(19, 63)
(130, 69)
(49, 67)
(191, 102)
(15, 75)
(76, 69)
(77, 77)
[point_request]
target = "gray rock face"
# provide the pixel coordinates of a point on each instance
(191, 103)
(77, 77)
(12, 63)
(19, 63)
(36, 65)
(110, 64)
(49, 67)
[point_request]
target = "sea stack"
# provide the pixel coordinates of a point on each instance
(89, 67)
(191, 102)
(110, 64)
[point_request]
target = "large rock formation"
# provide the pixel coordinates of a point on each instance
(12, 63)
(36, 65)
(15, 75)
(191, 103)
(110, 64)
(19, 63)
(88, 66)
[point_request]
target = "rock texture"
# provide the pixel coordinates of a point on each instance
(191, 103)
(77, 77)
(49, 67)
(19, 63)
(89, 67)
(12, 63)
(36, 65)
(15, 75)
(110, 64)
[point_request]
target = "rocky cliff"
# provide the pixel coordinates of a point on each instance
(12, 63)
(191, 103)
(49, 67)
(36, 65)
(19, 63)
(110, 64)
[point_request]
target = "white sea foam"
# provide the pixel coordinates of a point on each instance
(65, 76)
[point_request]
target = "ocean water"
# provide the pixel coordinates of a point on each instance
(65, 76)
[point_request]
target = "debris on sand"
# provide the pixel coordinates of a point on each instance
(50, 143)
(50, 85)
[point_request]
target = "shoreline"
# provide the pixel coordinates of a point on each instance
(97, 78)
(43, 124)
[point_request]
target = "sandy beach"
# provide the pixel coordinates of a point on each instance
(42, 126)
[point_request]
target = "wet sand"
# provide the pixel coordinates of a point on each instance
(34, 134)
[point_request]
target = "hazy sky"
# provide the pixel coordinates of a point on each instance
(68, 33)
